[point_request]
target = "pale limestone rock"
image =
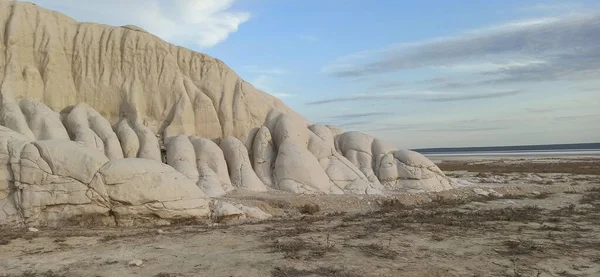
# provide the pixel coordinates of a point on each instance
(298, 171)
(88, 126)
(319, 148)
(402, 170)
(128, 138)
(182, 121)
(288, 128)
(325, 133)
(353, 141)
(397, 175)
(169, 92)
(62, 200)
(47, 194)
(428, 168)
(481, 192)
(136, 262)
(67, 158)
(340, 170)
(9, 160)
(252, 212)
(7, 137)
(97, 192)
(263, 156)
(149, 147)
(379, 149)
(388, 169)
(357, 148)
(346, 176)
(78, 126)
(43, 122)
(88, 138)
(133, 75)
(412, 158)
(126, 178)
(495, 193)
(335, 130)
(9, 215)
(130, 188)
(141, 187)
(212, 167)
(57, 181)
(206, 117)
(240, 171)
(33, 168)
(102, 128)
(181, 156)
(12, 117)
(223, 211)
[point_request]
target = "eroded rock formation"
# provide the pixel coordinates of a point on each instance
(112, 125)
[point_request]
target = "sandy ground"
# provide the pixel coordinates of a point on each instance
(509, 217)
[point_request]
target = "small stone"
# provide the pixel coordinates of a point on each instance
(495, 193)
(536, 192)
(136, 262)
(481, 192)
(252, 212)
(31, 229)
(160, 232)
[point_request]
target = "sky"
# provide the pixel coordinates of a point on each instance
(429, 73)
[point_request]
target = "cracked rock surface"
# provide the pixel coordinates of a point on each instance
(114, 126)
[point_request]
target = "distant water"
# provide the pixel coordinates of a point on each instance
(573, 149)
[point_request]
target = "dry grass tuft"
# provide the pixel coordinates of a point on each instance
(320, 271)
(592, 196)
(109, 238)
(392, 205)
(164, 274)
(28, 273)
(299, 249)
(4, 241)
(520, 247)
(379, 251)
(309, 209)
(439, 201)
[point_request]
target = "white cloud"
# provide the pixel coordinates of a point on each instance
(418, 96)
(492, 66)
(201, 22)
(568, 38)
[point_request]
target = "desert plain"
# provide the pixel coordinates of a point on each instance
(509, 216)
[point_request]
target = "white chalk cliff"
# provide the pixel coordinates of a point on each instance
(112, 125)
